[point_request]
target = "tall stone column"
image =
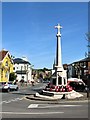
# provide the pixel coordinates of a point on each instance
(58, 53)
(58, 50)
(59, 77)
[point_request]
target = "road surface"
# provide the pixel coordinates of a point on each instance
(15, 105)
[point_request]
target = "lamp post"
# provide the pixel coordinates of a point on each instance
(31, 70)
(27, 72)
(21, 72)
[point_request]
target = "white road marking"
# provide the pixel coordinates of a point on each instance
(2, 102)
(65, 106)
(7, 101)
(20, 98)
(50, 106)
(33, 106)
(12, 100)
(16, 99)
(23, 113)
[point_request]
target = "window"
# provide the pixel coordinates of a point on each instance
(13, 68)
(6, 64)
(6, 75)
(2, 73)
(21, 68)
(81, 64)
(84, 63)
(22, 77)
(9, 69)
(25, 67)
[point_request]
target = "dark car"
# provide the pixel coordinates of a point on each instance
(78, 85)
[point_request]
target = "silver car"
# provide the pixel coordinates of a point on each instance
(9, 87)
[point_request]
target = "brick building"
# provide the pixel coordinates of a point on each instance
(80, 69)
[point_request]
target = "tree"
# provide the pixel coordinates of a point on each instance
(12, 76)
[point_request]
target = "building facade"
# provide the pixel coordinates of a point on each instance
(6, 65)
(23, 69)
(80, 69)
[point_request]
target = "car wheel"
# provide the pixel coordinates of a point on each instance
(8, 90)
(17, 89)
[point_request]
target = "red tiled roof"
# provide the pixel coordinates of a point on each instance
(2, 54)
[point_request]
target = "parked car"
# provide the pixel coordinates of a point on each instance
(9, 87)
(46, 81)
(77, 84)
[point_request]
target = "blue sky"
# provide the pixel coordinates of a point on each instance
(28, 30)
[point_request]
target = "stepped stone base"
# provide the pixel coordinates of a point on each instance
(54, 97)
(58, 95)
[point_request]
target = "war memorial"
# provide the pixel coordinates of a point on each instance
(58, 87)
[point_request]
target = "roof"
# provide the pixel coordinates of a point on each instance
(84, 60)
(19, 60)
(75, 79)
(3, 54)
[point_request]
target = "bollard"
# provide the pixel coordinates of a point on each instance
(63, 96)
(87, 93)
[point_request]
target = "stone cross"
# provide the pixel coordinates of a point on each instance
(58, 28)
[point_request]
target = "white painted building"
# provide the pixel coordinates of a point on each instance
(23, 69)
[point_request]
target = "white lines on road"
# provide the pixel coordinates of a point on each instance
(50, 106)
(29, 113)
(2, 102)
(12, 100)
(33, 106)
